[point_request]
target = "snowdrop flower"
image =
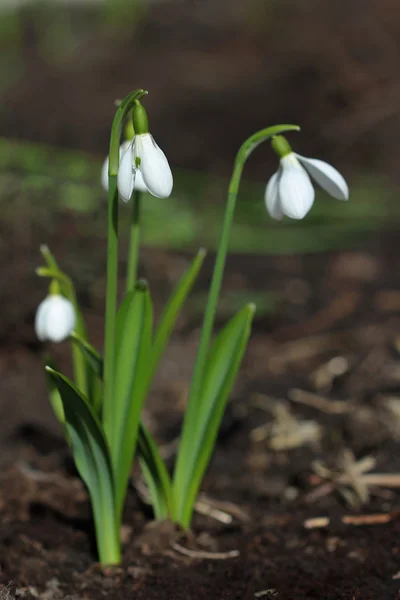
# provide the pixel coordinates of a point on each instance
(139, 183)
(55, 318)
(290, 191)
(143, 161)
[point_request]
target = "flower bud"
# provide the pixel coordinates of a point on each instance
(55, 318)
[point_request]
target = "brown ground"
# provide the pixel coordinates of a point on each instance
(344, 307)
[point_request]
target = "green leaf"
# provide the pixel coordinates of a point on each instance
(153, 466)
(94, 363)
(121, 316)
(155, 473)
(54, 394)
(132, 363)
(171, 312)
(92, 459)
(223, 362)
(94, 359)
(151, 462)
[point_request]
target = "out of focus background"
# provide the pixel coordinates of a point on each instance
(216, 71)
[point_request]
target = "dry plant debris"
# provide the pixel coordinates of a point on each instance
(286, 431)
(372, 519)
(204, 555)
(351, 478)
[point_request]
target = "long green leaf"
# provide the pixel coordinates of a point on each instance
(121, 316)
(94, 364)
(93, 357)
(223, 362)
(132, 362)
(151, 462)
(173, 308)
(155, 473)
(93, 461)
(54, 394)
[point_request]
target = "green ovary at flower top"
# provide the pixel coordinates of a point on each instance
(101, 410)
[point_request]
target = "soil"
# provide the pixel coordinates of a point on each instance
(321, 378)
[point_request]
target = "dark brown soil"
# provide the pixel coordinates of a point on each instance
(342, 306)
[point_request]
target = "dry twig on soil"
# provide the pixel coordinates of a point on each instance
(373, 519)
(286, 431)
(203, 554)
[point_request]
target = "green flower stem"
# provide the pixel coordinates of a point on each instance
(182, 476)
(134, 241)
(112, 257)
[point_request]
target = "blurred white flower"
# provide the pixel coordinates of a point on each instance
(139, 183)
(55, 318)
(145, 160)
(290, 192)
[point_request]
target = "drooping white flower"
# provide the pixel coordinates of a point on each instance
(290, 191)
(143, 158)
(139, 183)
(55, 318)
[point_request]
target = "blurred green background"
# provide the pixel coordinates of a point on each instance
(216, 71)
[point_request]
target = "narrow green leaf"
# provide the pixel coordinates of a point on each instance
(121, 316)
(153, 466)
(54, 394)
(108, 405)
(155, 473)
(131, 367)
(92, 459)
(94, 363)
(171, 312)
(220, 372)
(151, 462)
(93, 357)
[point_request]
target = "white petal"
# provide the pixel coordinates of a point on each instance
(104, 170)
(271, 197)
(125, 175)
(124, 147)
(154, 166)
(327, 177)
(104, 175)
(55, 319)
(296, 192)
(139, 184)
(60, 319)
(40, 319)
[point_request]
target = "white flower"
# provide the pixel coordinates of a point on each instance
(139, 183)
(55, 318)
(144, 158)
(290, 192)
